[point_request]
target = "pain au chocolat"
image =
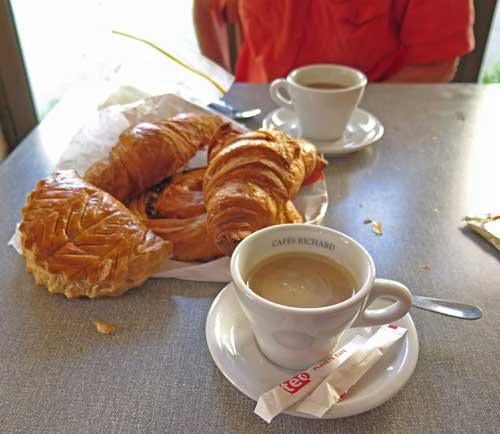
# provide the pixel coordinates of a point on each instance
(177, 213)
(80, 241)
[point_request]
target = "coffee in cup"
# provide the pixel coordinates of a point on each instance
(301, 280)
(324, 85)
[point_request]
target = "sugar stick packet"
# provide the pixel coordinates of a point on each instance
(353, 360)
(335, 387)
(290, 391)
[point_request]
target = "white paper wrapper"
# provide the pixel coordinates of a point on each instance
(137, 66)
(100, 133)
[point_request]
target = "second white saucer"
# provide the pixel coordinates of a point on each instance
(362, 130)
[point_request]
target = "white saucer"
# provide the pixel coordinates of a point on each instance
(362, 130)
(235, 352)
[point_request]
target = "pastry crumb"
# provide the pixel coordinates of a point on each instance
(435, 210)
(426, 267)
(104, 327)
(377, 228)
(366, 221)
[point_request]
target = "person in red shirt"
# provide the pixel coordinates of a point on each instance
(389, 40)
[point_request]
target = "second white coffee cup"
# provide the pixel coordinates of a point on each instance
(323, 113)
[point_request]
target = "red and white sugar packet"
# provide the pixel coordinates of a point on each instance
(290, 391)
(352, 357)
(335, 387)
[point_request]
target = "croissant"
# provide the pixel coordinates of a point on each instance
(178, 215)
(250, 179)
(289, 214)
(80, 241)
(149, 152)
(224, 135)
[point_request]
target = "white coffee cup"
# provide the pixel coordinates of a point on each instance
(295, 337)
(323, 114)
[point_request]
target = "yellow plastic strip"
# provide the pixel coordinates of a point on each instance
(175, 59)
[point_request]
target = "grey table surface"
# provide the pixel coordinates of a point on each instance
(438, 160)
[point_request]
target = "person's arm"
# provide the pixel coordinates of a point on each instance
(206, 31)
(433, 34)
(209, 18)
(437, 72)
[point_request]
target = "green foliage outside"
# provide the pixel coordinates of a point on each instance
(492, 75)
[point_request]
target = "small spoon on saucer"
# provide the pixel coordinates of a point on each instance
(228, 109)
(447, 307)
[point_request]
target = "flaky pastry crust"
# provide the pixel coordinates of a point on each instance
(250, 179)
(149, 152)
(80, 241)
(178, 214)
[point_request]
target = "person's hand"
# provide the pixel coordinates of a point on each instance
(438, 72)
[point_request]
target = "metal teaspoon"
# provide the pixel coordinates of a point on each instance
(447, 307)
(236, 114)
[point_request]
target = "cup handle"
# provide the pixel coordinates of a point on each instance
(276, 93)
(388, 289)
